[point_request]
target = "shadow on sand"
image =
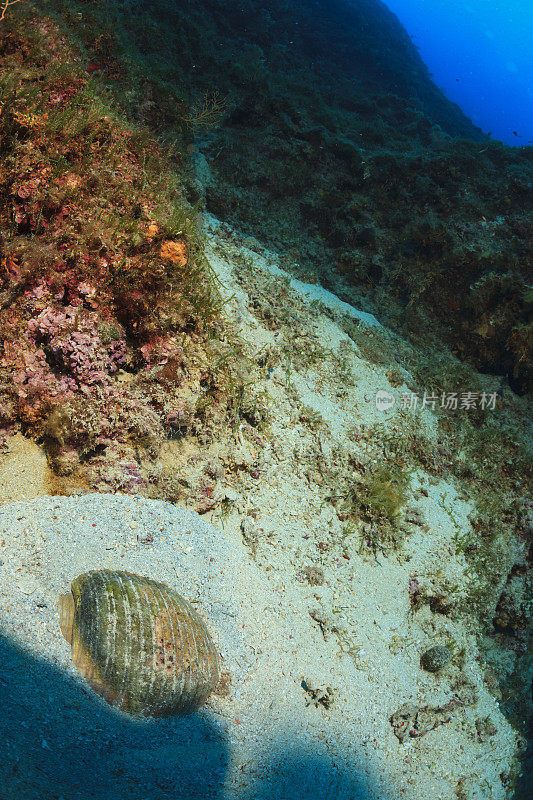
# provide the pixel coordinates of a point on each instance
(297, 776)
(58, 741)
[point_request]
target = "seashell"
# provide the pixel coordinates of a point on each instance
(138, 644)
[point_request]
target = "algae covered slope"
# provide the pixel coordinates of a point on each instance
(316, 126)
(108, 309)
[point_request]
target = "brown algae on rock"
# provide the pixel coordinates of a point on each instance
(138, 643)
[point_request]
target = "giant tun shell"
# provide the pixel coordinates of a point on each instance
(140, 645)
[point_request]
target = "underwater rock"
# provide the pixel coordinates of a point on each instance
(435, 658)
(511, 615)
(413, 721)
(441, 603)
(138, 644)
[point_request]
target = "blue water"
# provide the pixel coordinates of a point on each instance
(480, 52)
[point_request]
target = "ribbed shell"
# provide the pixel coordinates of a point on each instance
(140, 645)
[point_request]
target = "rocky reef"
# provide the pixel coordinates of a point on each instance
(316, 126)
(106, 304)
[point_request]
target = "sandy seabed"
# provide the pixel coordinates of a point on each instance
(318, 668)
